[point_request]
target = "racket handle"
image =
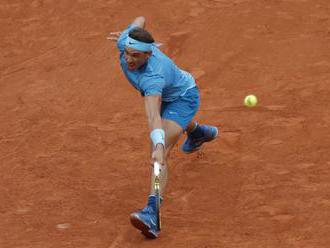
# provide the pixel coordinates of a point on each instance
(156, 169)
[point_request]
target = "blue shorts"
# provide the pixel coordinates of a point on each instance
(183, 109)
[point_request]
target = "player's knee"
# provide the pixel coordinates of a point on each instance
(168, 151)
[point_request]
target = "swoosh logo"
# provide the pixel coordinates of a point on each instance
(152, 222)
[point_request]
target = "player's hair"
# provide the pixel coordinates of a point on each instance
(141, 34)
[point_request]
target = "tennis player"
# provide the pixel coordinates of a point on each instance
(171, 100)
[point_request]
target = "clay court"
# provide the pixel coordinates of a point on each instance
(74, 147)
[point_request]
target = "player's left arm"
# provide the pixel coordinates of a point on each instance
(139, 21)
(152, 107)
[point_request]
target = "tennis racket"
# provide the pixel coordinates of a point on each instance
(157, 167)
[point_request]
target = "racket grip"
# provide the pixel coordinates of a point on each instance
(156, 169)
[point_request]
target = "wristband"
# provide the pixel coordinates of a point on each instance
(158, 136)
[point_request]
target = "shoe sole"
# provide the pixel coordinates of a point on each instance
(144, 228)
(198, 148)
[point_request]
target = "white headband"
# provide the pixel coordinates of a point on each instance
(138, 45)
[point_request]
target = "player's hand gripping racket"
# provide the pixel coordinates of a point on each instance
(157, 167)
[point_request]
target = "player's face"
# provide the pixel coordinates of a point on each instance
(135, 59)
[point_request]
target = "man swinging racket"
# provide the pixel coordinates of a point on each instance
(171, 101)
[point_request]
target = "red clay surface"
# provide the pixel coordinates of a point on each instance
(74, 138)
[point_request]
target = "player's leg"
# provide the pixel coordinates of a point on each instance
(176, 116)
(197, 134)
(191, 126)
(146, 219)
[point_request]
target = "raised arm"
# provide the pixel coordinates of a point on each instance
(138, 21)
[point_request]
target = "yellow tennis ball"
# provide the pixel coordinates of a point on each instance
(250, 101)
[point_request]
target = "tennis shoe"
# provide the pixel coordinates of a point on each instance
(146, 219)
(193, 143)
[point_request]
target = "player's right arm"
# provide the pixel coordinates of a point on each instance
(157, 134)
